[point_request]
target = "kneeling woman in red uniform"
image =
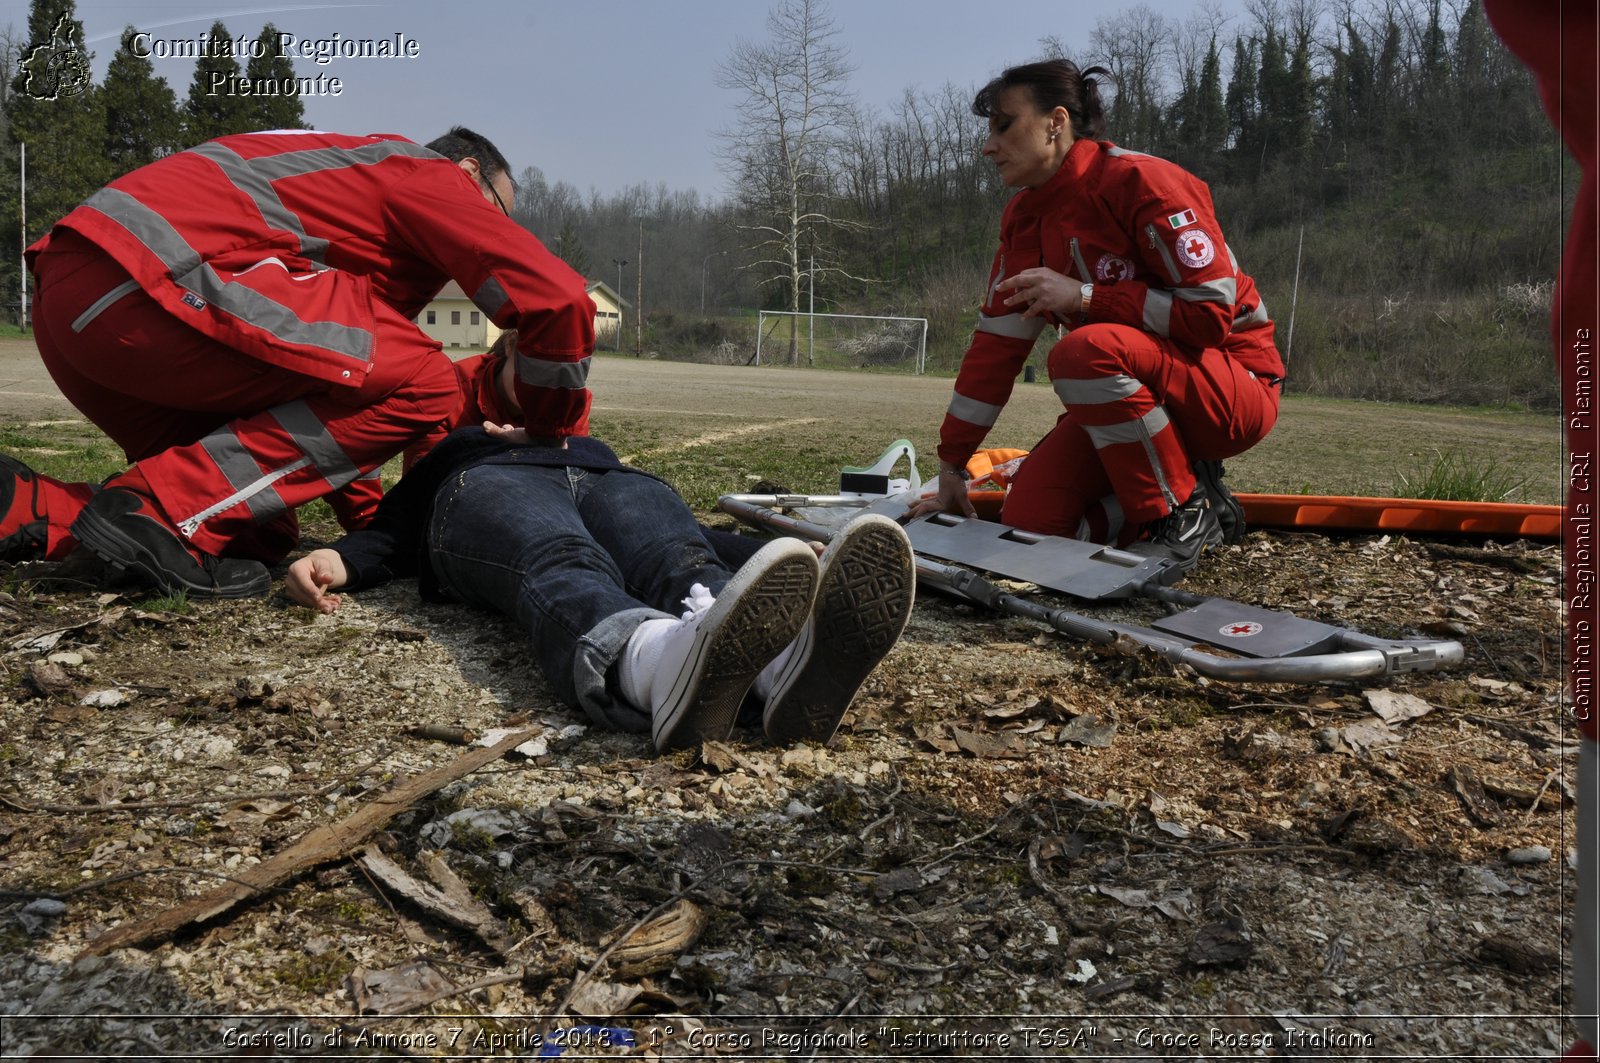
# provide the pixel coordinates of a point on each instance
(1168, 359)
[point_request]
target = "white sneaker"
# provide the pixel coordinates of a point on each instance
(691, 674)
(864, 598)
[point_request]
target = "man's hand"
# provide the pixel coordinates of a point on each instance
(510, 433)
(310, 578)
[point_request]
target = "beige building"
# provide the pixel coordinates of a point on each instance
(454, 321)
(608, 308)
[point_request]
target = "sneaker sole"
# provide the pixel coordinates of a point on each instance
(754, 617)
(125, 554)
(864, 600)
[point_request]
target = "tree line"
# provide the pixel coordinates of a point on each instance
(1381, 167)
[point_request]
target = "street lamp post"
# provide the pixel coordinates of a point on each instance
(619, 262)
(703, 264)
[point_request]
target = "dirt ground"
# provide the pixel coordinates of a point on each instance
(1017, 846)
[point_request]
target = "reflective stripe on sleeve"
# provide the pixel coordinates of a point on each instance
(1011, 326)
(1253, 319)
(1221, 290)
(1158, 312)
(490, 297)
(536, 372)
(1096, 391)
(972, 411)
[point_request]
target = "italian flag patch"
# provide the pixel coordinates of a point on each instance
(1179, 220)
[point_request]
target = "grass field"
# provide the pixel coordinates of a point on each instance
(716, 429)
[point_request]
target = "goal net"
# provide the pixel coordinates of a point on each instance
(842, 341)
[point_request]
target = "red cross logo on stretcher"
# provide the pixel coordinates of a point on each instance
(1196, 249)
(1241, 629)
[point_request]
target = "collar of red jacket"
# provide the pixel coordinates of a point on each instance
(1082, 159)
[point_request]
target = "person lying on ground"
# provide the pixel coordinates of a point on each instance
(631, 615)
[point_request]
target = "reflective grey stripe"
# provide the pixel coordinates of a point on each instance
(315, 160)
(374, 474)
(247, 304)
(1222, 290)
(248, 179)
(243, 475)
(1158, 244)
(1077, 260)
(1114, 521)
(1117, 153)
(1011, 326)
(251, 485)
(1232, 260)
(1254, 318)
(539, 373)
(1141, 431)
(489, 297)
(311, 436)
(1115, 518)
(1096, 391)
(149, 228)
(1135, 431)
(1158, 312)
(972, 411)
(97, 307)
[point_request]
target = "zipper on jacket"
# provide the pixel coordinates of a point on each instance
(1166, 253)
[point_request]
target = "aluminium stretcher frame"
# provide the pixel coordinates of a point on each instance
(1218, 638)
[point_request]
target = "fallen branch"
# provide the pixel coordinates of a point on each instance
(314, 847)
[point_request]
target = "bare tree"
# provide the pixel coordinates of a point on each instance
(796, 110)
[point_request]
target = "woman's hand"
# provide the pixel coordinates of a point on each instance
(951, 498)
(1039, 290)
(310, 578)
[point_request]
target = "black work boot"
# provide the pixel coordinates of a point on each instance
(1230, 514)
(1183, 534)
(22, 521)
(127, 530)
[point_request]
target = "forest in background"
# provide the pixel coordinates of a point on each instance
(1380, 166)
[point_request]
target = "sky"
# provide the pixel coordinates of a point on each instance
(603, 95)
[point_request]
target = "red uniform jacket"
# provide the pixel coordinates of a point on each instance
(277, 244)
(477, 401)
(1144, 232)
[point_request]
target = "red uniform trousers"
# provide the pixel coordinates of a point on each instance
(230, 445)
(1140, 409)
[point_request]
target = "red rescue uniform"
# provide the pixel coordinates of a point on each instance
(1173, 362)
(238, 318)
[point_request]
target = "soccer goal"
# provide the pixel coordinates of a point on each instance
(841, 341)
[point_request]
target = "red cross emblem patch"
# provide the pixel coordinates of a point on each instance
(1196, 248)
(1241, 629)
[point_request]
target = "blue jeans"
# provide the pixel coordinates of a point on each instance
(579, 557)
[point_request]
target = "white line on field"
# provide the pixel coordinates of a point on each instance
(721, 437)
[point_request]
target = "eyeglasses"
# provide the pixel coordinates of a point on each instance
(490, 186)
(497, 200)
